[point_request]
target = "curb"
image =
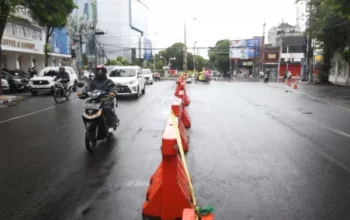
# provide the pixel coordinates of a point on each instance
(10, 100)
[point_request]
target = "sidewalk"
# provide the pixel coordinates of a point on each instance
(335, 94)
(10, 100)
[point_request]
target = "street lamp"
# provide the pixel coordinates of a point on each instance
(185, 47)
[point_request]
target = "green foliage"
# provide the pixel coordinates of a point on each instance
(159, 65)
(338, 7)
(85, 59)
(219, 56)
(330, 25)
(200, 62)
(51, 14)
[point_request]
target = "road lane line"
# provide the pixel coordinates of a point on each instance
(35, 112)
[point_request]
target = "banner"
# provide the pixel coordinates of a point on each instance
(245, 49)
(147, 48)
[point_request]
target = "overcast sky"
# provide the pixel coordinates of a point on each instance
(215, 20)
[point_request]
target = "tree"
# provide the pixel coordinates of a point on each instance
(330, 25)
(200, 63)
(123, 61)
(51, 14)
(6, 7)
(175, 50)
(219, 56)
(85, 59)
(159, 65)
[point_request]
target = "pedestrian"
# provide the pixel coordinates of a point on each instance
(267, 77)
(285, 76)
(289, 75)
(33, 72)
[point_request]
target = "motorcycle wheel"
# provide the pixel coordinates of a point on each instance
(57, 95)
(68, 93)
(90, 143)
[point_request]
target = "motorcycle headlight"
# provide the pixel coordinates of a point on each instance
(95, 94)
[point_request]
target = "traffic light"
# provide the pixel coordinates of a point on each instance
(73, 53)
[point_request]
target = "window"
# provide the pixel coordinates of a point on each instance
(123, 73)
(48, 72)
(8, 28)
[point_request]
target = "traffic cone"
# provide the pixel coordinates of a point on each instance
(295, 86)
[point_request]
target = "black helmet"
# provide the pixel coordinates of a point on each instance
(100, 72)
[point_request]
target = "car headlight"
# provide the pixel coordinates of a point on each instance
(132, 81)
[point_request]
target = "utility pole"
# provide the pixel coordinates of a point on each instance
(154, 52)
(194, 56)
(262, 55)
(185, 49)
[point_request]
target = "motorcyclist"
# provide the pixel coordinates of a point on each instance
(207, 73)
(64, 76)
(101, 82)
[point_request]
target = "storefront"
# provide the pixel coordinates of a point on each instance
(291, 62)
(23, 47)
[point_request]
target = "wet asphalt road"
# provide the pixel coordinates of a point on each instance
(256, 152)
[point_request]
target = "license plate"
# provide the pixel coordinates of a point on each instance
(120, 89)
(40, 86)
(92, 106)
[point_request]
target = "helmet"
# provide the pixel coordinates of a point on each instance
(100, 72)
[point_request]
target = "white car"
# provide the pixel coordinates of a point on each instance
(129, 80)
(5, 85)
(44, 81)
(148, 76)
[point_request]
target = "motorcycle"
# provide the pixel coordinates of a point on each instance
(59, 91)
(95, 122)
(206, 79)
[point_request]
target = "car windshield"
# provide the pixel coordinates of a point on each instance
(123, 73)
(48, 72)
(146, 71)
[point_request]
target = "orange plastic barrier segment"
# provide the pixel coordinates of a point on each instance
(190, 214)
(169, 193)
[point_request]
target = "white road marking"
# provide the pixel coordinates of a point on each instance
(33, 113)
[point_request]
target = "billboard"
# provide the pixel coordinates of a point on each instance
(60, 41)
(138, 15)
(147, 49)
(245, 49)
(144, 48)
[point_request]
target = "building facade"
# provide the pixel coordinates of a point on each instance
(270, 57)
(125, 22)
(281, 29)
(340, 71)
(302, 16)
(23, 44)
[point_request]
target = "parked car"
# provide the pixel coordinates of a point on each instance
(129, 80)
(16, 83)
(44, 82)
(17, 72)
(148, 76)
(5, 85)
